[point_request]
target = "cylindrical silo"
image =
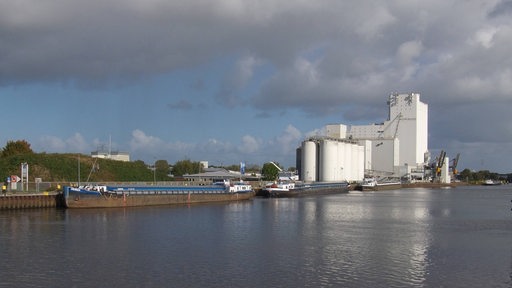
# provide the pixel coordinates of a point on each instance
(298, 160)
(360, 164)
(308, 161)
(341, 161)
(328, 160)
(348, 161)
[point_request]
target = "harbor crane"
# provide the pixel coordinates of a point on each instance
(453, 166)
(440, 163)
(285, 175)
(436, 165)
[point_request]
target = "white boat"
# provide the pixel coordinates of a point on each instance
(490, 182)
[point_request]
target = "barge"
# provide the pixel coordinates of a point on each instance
(372, 184)
(299, 189)
(132, 196)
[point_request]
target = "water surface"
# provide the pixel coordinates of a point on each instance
(460, 237)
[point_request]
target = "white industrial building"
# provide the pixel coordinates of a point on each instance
(395, 147)
(328, 159)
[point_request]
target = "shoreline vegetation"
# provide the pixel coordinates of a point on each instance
(49, 171)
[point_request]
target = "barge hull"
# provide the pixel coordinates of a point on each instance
(307, 192)
(381, 187)
(126, 200)
(310, 190)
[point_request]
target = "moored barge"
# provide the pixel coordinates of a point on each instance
(300, 189)
(132, 196)
(372, 184)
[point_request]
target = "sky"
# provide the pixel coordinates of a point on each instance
(226, 81)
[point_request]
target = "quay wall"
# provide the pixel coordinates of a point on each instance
(45, 200)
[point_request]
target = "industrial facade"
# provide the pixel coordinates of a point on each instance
(328, 159)
(394, 147)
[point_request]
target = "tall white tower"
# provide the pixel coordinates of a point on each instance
(410, 125)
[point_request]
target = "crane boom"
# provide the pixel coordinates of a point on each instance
(278, 168)
(454, 164)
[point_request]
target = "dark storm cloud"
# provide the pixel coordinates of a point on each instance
(327, 57)
(503, 8)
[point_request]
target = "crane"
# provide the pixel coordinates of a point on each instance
(453, 167)
(440, 162)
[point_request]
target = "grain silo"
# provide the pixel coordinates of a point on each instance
(309, 161)
(328, 161)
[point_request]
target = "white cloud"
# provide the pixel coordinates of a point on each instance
(141, 141)
(78, 143)
(289, 140)
(377, 18)
(52, 143)
(408, 51)
(317, 132)
(214, 146)
(249, 145)
(219, 152)
(236, 80)
(73, 144)
(485, 36)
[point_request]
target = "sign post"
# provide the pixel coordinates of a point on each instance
(24, 175)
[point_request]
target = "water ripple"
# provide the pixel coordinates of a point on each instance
(409, 238)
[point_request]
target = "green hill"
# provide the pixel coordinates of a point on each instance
(64, 168)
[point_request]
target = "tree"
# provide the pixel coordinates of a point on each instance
(478, 176)
(162, 169)
(18, 147)
(269, 172)
(183, 167)
(466, 175)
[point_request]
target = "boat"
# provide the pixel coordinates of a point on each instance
(102, 196)
(372, 184)
(282, 189)
(490, 182)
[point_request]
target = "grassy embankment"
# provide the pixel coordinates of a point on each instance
(63, 168)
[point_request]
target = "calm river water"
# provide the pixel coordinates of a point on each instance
(459, 237)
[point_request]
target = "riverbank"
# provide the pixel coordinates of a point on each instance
(26, 200)
(23, 200)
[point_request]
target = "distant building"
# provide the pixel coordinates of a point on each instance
(113, 155)
(204, 164)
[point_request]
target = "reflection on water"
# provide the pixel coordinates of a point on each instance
(404, 238)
